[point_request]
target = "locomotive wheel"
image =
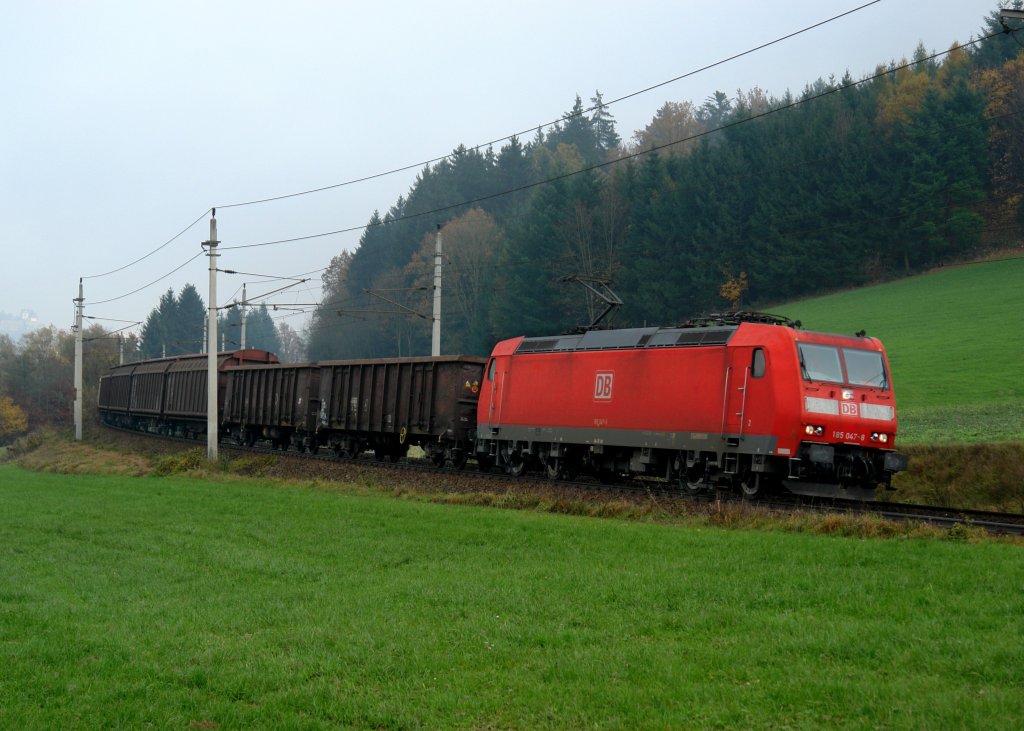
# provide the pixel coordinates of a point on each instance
(753, 485)
(694, 479)
(554, 468)
(484, 463)
(516, 464)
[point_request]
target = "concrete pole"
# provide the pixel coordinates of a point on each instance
(212, 426)
(78, 362)
(435, 341)
(243, 315)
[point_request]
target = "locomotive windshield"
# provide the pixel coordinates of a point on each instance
(820, 363)
(823, 363)
(865, 368)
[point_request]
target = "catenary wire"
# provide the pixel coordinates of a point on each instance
(143, 258)
(155, 281)
(484, 145)
(492, 142)
(608, 163)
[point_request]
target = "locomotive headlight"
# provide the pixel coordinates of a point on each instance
(880, 437)
(814, 431)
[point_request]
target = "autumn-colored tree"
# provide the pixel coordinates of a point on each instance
(903, 92)
(673, 130)
(1005, 88)
(470, 245)
(13, 420)
(733, 288)
(293, 349)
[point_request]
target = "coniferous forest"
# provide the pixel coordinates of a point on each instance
(744, 200)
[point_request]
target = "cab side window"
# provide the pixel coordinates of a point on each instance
(757, 363)
(490, 370)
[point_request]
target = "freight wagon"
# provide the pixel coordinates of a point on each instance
(390, 404)
(278, 403)
(167, 395)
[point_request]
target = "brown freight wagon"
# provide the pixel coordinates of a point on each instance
(279, 403)
(387, 405)
(167, 395)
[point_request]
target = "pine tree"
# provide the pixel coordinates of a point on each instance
(578, 130)
(159, 333)
(190, 313)
(604, 124)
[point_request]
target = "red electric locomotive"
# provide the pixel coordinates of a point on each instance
(750, 402)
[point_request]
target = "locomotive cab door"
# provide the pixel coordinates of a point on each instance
(745, 392)
(497, 377)
(737, 375)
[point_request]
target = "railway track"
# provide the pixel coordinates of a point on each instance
(668, 496)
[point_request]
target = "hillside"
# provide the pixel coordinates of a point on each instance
(955, 339)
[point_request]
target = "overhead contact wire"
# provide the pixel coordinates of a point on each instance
(484, 145)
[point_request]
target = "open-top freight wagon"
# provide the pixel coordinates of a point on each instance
(167, 395)
(390, 404)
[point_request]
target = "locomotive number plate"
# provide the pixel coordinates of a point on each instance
(849, 436)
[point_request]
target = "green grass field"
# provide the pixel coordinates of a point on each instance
(955, 340)
(179, 603)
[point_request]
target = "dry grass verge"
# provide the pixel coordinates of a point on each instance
(969, 476)
(135, 456)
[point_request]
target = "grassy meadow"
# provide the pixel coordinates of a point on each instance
(955, 340)
(169, 594)
(176, 602)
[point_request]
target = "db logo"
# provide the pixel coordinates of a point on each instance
(848, 409)
(603, 385)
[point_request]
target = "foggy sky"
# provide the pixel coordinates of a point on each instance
(123, 122)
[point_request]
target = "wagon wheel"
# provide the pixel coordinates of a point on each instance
(516, 464)
(459, 458)
(396, 452)
(753, 485)
(438, 458)
(379, 453)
